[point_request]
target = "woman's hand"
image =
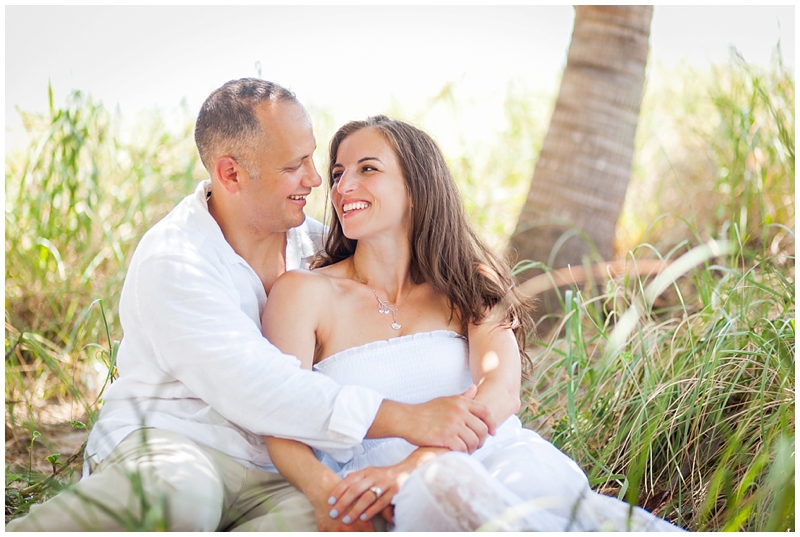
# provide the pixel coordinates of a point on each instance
(366, 493)
(322, 512)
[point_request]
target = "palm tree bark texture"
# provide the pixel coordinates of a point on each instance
(583, 170)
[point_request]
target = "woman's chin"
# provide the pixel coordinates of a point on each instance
(350, 231)
(351, 236)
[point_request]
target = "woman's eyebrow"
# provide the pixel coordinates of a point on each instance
(360, 161)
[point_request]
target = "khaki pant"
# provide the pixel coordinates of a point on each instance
(160, 480)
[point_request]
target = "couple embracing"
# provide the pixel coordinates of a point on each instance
(384, 388)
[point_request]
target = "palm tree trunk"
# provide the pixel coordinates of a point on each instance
(580, 179)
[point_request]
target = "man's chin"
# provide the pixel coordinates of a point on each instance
(299, 222)
(287, 224)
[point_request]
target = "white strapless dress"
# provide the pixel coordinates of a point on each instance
(516, 481)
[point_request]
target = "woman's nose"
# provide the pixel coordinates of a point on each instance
(346, 183)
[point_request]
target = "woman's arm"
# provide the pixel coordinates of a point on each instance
(290, 322)
(292, 314)
(495, 365)
(298, 464)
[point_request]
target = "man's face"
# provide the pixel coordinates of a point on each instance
(283, 164)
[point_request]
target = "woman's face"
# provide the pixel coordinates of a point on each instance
(369, 192)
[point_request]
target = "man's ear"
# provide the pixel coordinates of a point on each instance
(229, 173)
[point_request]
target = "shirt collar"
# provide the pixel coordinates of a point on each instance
(300, 241)
(198, 209)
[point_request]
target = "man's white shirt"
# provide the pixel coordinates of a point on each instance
(193, 359)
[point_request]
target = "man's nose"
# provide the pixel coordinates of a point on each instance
(312, 177)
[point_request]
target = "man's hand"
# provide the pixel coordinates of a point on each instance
(458, 423)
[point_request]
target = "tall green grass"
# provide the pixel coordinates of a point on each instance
(77, 201)
(722, 157)
(689, 412)
(677, 392)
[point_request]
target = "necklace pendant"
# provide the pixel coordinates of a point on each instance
(396, 326)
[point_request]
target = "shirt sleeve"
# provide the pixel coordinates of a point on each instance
(202, 338)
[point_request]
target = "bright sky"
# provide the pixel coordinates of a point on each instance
(349, 60)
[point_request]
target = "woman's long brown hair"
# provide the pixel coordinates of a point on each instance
(445, 250)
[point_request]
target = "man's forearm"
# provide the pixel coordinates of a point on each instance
(390, 420)
(457, 422)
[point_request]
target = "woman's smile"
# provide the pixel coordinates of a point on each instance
(349, 207)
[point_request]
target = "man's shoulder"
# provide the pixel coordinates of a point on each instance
(175, 234)
(171, 234)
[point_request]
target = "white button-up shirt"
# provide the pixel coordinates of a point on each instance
(193, 359)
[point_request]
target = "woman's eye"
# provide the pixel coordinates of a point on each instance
(336, 176)
(369, 169)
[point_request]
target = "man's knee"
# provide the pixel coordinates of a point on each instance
(154, 480)
(117, 499)
(177, 483)
(186, 502)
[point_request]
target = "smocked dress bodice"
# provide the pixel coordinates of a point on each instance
(409, 369)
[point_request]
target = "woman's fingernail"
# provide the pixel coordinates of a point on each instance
(334, 513)
(331, 500)
(363, 516)
(346, 520)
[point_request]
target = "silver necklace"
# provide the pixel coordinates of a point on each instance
(383, 306)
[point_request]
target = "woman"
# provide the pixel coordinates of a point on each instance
(408, 301)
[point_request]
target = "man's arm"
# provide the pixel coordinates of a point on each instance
(191, 317)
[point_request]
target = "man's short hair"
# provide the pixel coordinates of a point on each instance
(227, 124)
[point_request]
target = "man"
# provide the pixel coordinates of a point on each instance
(179, 444)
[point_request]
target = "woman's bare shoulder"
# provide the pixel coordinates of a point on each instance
(299, 282)
(310, 283)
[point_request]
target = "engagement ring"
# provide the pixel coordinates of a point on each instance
(377, 491)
